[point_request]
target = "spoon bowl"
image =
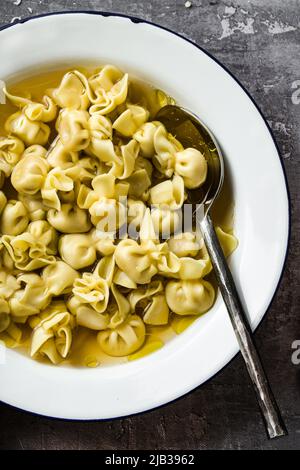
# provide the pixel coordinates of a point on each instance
(192, 132)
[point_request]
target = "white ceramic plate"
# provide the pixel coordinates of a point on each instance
(198, 82)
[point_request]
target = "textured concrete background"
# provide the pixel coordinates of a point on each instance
(259, 41)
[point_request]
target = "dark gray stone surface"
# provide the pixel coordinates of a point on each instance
(259, 41)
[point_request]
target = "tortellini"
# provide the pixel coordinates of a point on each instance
(72, 92)
(190, 297)
(52, 336)
(91, 290)
(168, 194)
(152, 301)
(31, 299)
(136, 260)
(34, 206)
(110, 89)
(124, 339)
(141, 261)
(14, 218)
(69, 219)
(30, 132)
(185, 244)
(131, 120)
(34, 248)
(29, 175)
(91, 296)
(104, 202)
(101, 132)
(72, 127)
(169, 157)
(44, 112)
(92, 206)
(77, 250)
(11, 150)
(192, 166)
(166, 221)
(59, 278)
(58, 157)
(57, 184)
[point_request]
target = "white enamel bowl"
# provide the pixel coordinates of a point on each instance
(199, 83)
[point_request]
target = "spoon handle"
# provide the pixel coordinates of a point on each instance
(273, 421)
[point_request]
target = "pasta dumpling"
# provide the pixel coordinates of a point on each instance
(52, 337)
(145, 137)
(169, 156)
(34, 206)
(165, 146)
(14, 219)
(69, 219)
(131, 120)
(189, 297)
(119, 308)
(9, 284)
(91, 296)
(107, 212)
(35, 151)
(11, 334)
(100, 137)
(11, 150)
(141, 261)
(77, 250)
(58, 157)
(72, 92)
(34, 248)
(31, 299)
(228, 241)
(185, 244)
(124, 339)
(30, 132)
(93, 291)
(72, 127)
(191, 165)
(124, 164)
(165, 221)
(59, 278)
(151, 301)
(56, 184)
(169, 193)
(136, 260)
(29, 174)
(44, 112)
(110, 86)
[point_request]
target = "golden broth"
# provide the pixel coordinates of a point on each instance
(85, 350)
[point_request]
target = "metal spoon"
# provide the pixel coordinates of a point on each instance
(191, 132)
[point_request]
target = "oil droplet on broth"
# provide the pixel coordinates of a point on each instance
(149, 347)
(179, 324)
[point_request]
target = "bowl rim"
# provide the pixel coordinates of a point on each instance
(138, 20)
